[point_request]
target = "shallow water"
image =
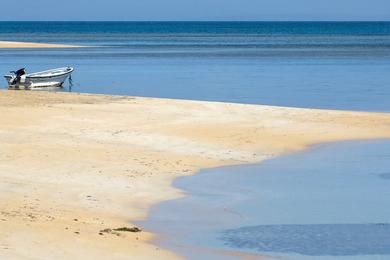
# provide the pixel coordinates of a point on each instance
(330, 202)
(301, 64)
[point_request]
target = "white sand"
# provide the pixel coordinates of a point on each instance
(81, 163)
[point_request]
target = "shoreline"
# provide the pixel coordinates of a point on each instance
(105, 160)
(23, 45)
(199, 240)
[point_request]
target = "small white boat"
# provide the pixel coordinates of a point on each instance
(49, 78)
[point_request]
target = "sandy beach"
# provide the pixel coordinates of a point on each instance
(21, 45)
(72, 164)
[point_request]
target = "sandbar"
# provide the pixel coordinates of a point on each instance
(21, 45)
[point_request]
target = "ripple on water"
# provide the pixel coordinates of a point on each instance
(313, 240)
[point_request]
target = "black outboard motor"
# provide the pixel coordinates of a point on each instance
(18, 74)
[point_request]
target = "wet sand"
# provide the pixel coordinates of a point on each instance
(18, 45)
(74, 164)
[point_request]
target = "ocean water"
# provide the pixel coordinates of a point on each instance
(339, 65)
(330, 202)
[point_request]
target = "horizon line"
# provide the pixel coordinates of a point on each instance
(201, 21)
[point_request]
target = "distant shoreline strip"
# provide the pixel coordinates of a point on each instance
(19, 45)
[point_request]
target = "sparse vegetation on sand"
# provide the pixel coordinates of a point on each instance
(121, 229)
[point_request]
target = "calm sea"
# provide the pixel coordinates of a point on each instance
(343, 65)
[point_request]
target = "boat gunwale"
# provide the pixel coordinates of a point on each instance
(48, 77)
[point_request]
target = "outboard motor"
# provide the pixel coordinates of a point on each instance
(18, 74)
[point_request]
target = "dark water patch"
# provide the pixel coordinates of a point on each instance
(313, 240)
(385, 175)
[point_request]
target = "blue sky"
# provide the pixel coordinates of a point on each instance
(172, 10)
